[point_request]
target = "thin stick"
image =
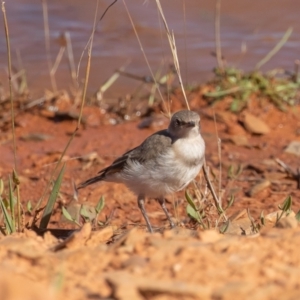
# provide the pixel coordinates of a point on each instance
(23, 82)
(288, 169)
(220, 158)
(296, 74)
(80, 113)
(171, 39)
(278, 46)
(10, 84)
(144, 79)
(212, 190)
(47, 44)
(185, 42)
(164, 60)
(70, 57)
(12, 111)
(110, 81)
(146, 59)
(93, 32)
(218, 35)
(88, 68)
(20, 227)
(57, 60)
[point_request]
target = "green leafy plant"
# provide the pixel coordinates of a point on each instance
(223, 228)
(204, 216)
(234, 171)
(11, 207)
(193, 212)
(68, 216)
(52, 199)
(285, 207)
(262, 219)
(100, 205)
(235, 83)
(7, 207)
(255, 227)
(297, 216)
(29, 206)
(85, 212)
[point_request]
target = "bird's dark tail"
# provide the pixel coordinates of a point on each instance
(90, 181)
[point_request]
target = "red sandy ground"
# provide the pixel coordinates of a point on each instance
(123, 261)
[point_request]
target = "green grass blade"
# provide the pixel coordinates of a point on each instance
(52, 198)
(67, 215)
(298, 216)
(7, 218)
(100, 205)
(190, 200)
(286, 205)
(88, 212)
(1, 187)
(11, 205)
(230, 202)
(224, 227)
(29, 206)
(192, 213)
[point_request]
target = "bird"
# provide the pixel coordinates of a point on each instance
(164, 163)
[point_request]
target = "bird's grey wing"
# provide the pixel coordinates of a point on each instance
(118, 164)
(152, 146)
(149, 149)
(113, 168)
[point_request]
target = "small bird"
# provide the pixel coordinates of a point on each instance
(166, 162)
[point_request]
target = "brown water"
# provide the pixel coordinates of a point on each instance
(249, 30)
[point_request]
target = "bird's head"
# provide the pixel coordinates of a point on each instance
(184, 124)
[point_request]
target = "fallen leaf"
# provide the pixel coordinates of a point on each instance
(293, 148)
(240, 140)
(254, 124)
(89, 157)
(287, 222)
(239, 227)
(259, 187)
(238, 215)
(36, 137)
(272, 217)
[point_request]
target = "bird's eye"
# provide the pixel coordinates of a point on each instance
(177, 122)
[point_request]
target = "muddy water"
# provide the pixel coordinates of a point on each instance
(249, 30)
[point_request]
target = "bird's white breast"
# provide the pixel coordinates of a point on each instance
(168, 172)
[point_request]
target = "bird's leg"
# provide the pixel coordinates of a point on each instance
(141, 204)
(162, 203)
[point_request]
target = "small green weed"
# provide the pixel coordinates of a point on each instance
(282, 91)
(205, 216)
(84, 212)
